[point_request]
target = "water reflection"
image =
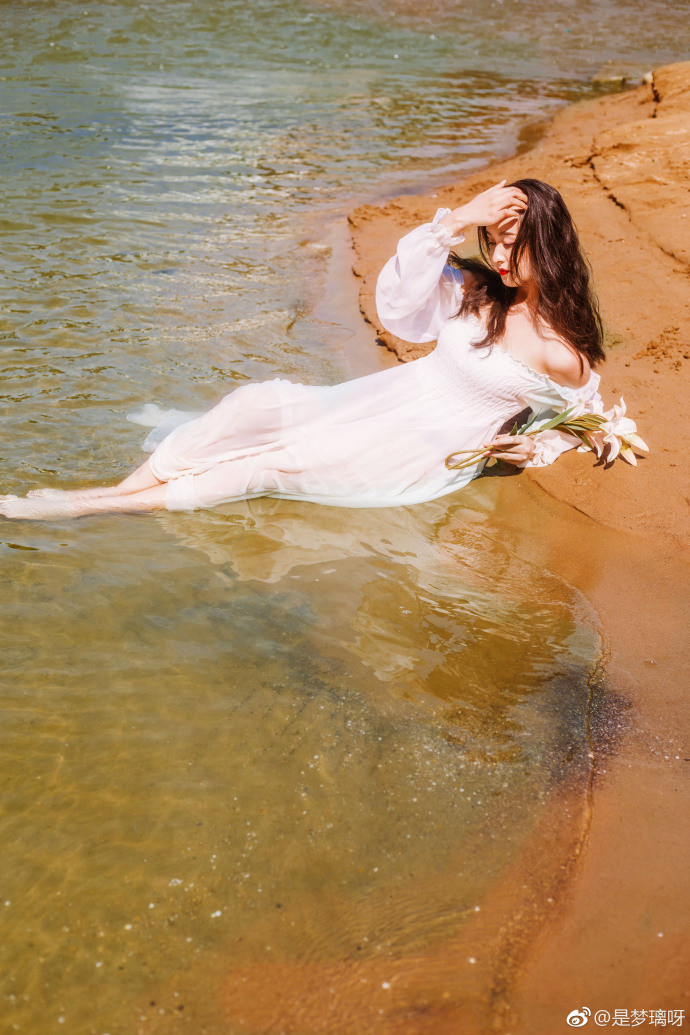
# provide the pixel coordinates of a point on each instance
(427, 598)
(326, 731)
(276, 734)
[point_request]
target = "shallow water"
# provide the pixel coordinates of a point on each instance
(273, 732)
(269, 733)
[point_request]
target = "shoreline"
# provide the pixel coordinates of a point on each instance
(618, 160)
(616, 937)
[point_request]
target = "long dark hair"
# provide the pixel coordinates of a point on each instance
(548, 239)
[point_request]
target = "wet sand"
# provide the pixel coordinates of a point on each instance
(614, 933)
(575, 917)
(623, 166)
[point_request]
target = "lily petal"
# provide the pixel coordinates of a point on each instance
(627, 454)
(614, 447)
(637, 442)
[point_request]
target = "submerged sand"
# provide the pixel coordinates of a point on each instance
(594, 912)
(614, 935)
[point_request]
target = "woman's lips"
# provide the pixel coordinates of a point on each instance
(504, 273)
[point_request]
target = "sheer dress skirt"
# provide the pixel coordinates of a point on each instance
(380, 440)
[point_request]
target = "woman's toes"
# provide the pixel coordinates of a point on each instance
(68, 494)
(43, 494)
(37, 509)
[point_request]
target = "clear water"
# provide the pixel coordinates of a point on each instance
(271, 733)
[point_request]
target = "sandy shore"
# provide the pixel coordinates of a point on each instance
(616, 933)
(594, 912)
(622, 163)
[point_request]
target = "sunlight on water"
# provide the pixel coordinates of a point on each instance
(323, 733)
(272, 735)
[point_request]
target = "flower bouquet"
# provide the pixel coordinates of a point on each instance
(595, 431)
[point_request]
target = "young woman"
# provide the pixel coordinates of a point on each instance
(519, 329)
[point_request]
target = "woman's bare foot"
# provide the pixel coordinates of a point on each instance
(38, 509)
(137, 482)
(72, 494)
(55, 507)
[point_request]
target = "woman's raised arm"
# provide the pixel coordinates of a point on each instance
(492, 207)
(417, 292)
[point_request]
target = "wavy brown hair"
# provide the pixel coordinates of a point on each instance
(548, 239)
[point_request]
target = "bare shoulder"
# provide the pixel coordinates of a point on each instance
(565, 366)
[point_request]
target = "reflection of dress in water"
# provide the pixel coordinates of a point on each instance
(379, 440)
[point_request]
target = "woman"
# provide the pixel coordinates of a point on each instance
(520, 329)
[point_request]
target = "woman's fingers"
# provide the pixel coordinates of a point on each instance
(493, 206)
(511, 203)
(510, 458)
(514, 449)
(517, 203)
(511, 442)
(508, 214)
(516, 195)
(513, 191)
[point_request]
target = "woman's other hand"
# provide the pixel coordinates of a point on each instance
(514, 449)
(490, 208)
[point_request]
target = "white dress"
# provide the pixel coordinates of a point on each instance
(379, 440)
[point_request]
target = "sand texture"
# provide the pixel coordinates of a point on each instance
(622, 163)
(615, 934)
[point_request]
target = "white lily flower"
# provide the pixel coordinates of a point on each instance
(626, 453)
(597, 441)
(585, 424)
(620, 434)
(636, 442)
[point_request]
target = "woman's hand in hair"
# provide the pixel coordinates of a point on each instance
(490, 208)
(514, 449)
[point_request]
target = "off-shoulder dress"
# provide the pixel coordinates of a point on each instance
(379, 440)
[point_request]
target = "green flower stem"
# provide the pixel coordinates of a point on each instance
(579, 427)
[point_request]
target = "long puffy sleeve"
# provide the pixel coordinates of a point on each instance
(549, 399)
(417, 292)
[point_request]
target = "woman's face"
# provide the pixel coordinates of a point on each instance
(501, 237)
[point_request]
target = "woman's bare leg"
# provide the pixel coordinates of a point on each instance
(53, 507)
(142, 478)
